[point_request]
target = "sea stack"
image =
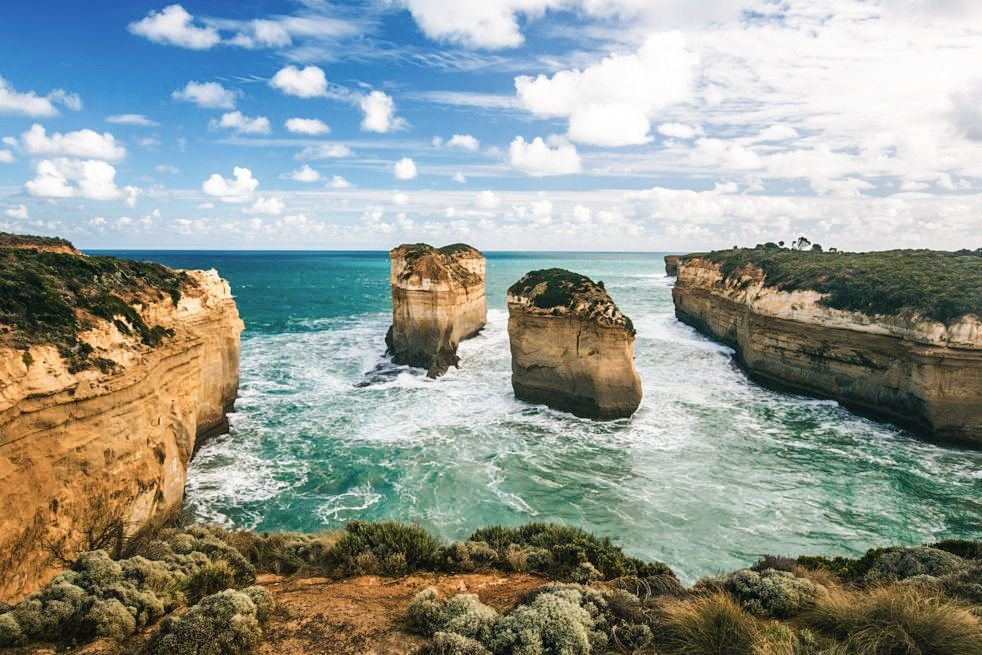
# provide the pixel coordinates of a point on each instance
(571, 347)
(437, 302)
(672, 265)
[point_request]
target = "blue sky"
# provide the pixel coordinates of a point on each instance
(511, 124)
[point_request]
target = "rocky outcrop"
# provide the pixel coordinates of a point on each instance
(437, 302)
(916, 372)
(91, 453)
(571, 348)
(672, 265)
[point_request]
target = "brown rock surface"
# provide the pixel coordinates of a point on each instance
(93, 449)
(916, 372)
(571, 347)
(672, 265)
(437, 302)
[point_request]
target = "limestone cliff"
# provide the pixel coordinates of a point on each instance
(437, 302)
(571, 347)
(672, 265)
(107, 385)
(909, 369)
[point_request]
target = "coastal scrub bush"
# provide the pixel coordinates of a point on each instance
(964, 548)
(712, 624)
(10, 632)
(465, 556)
(226, 623)
(283, 553)
(463, 615)
(449, 643)
(207, 580)
(768, 593)
(910, 562)
(554, 620)
(390, 547)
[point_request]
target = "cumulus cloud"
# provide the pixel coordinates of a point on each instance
(6, 157)
(18, 212)
(338, 182)
(238, 189)
(379, 113)
(612, 103)
(241, 124)
(305, 174)
(131, 119)
(72, 178)
(210, 95)
(270, 206)
(30, 103)
(82, 144)
(487, 200)
(404, 169)
(459, 178)
(537, 159)
(311, 126)
(679, 130)
(325, 151)
(262, 34)
(307, 82)
(173, 25)
(400, 199)
(464, 142)
(474, 24)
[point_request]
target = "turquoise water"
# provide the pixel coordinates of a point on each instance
(711, 472)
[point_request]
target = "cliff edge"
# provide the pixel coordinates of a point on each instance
(895, 335)
(437, 302)
(111, 374)
(571, 347)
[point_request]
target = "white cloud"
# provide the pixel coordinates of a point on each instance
(173, 25)
(679, 130)
(94, 180)
(778, 133)
(210, 95)
(460, 178)
(487, 24)
(400, 198)
(967, 111)
(404, 169)
(242, 124)
(305, 174)
(325, 151)
(263, 34)
(132, 193)
(239, 189)
(311, 126)
(338, 182)
(31, 104)
(612, 103)
(487, 200)
(17, 211)
(6, 157)
(82, 144)
(307, 82)
(167, 168)
(464, 142)
(379, 113)
(270, 206)
(537, 159)
(131, 119)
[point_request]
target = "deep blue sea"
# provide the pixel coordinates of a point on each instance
(712, 471)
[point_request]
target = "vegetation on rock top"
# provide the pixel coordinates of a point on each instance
(51, 297)
(446, 259)
(563, 290)
(940, 285)
(8, 240)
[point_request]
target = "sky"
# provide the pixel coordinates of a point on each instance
(641, 125)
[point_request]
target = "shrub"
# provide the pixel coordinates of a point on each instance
(384, 542)
(769, 593)
(463, 615)
(713, 624)
(965, 584)
(962, 547)
(283, 553)
(424, 614)
(909, 562)
(651, 586)
(225, 623)
(263, 600)
(897, 620)
(10, 632)
(207, 580)
(466, 556)
(108, 618)
(554, 620)
(448, 643)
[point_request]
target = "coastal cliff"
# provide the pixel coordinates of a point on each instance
(672, 265)
(571, 347)
(111, 374)
(821, 324)
(437, 302)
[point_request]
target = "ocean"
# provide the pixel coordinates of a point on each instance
(712, 472)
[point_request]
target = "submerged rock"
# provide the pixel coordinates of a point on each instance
(571, 348)
(437, 302)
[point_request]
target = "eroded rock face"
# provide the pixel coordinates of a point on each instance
(92, 449)
(916, 372)
(672, 265)
(571, 347)
(437, 302)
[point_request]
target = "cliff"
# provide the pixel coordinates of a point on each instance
(672, 265)
(820, 324)
(111, 374)
(571, 347)
(437, 302)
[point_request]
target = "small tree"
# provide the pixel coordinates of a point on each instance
(817, 247)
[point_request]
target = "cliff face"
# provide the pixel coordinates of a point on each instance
(913, 371)
(437, 302)
(571, 348)
(90, 453)
(672, 265)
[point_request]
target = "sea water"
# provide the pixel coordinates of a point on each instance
(710, 473)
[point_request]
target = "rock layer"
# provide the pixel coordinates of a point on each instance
(916, 372)
(571, 347)
(89, 455)
(672, 265)
(437, 301)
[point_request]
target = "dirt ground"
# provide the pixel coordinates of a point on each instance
(356, 616)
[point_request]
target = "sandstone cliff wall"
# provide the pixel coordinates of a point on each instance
(83, 451)
(672, 265)
(915, 372)
(438, 300)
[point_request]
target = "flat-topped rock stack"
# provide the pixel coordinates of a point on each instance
(672, 265)
(437, 302)
(571, 347)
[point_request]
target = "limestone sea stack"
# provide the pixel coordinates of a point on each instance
(437, 302)
(672, 265)
(571, 347)
(111, 374)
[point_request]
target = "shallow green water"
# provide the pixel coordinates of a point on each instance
(711, 472)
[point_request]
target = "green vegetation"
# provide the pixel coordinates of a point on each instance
(8, 240)
(51, 297)
(226, 623)
(940, 285)
(557, 288)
